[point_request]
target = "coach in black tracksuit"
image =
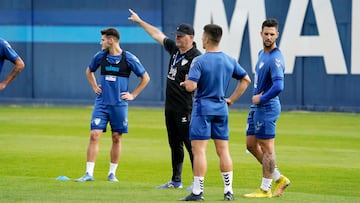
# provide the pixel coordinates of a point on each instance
(178, 104)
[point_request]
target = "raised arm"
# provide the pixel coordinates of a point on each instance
(154, 32)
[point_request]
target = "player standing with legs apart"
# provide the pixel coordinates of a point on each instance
(210, 74)
(111, 104)
(178, 103)
(265, 110)
(8, 53)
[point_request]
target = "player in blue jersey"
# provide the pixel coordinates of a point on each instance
(8, 53)
(111, 104)
(178, 102)
(210, 75)
(265, 110)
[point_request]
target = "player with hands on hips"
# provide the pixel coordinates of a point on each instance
(112, 96)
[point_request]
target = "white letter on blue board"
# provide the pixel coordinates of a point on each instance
(326, 44)
(355, 40)
(251, 12)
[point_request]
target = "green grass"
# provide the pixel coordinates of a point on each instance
(319, 152)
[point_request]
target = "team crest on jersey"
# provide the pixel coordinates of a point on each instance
(184, 61)
(261, 64)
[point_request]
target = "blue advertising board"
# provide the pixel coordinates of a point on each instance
(57, 39)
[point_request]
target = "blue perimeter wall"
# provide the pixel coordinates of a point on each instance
(57, 39)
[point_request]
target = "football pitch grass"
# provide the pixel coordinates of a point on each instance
(318, 151)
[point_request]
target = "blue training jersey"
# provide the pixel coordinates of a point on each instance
(212, 72)
(270, 67)
(112, 85)
(6, 52)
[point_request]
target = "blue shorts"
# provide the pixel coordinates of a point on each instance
(261, 121)
(206, 127)
(116, 115)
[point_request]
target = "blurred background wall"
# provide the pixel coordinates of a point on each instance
(57, 40)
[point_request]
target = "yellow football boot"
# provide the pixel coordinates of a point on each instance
(259, 194)
(280, 185)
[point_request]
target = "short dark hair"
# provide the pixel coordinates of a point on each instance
(111, 32)
(214, 32)
(270, 22)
